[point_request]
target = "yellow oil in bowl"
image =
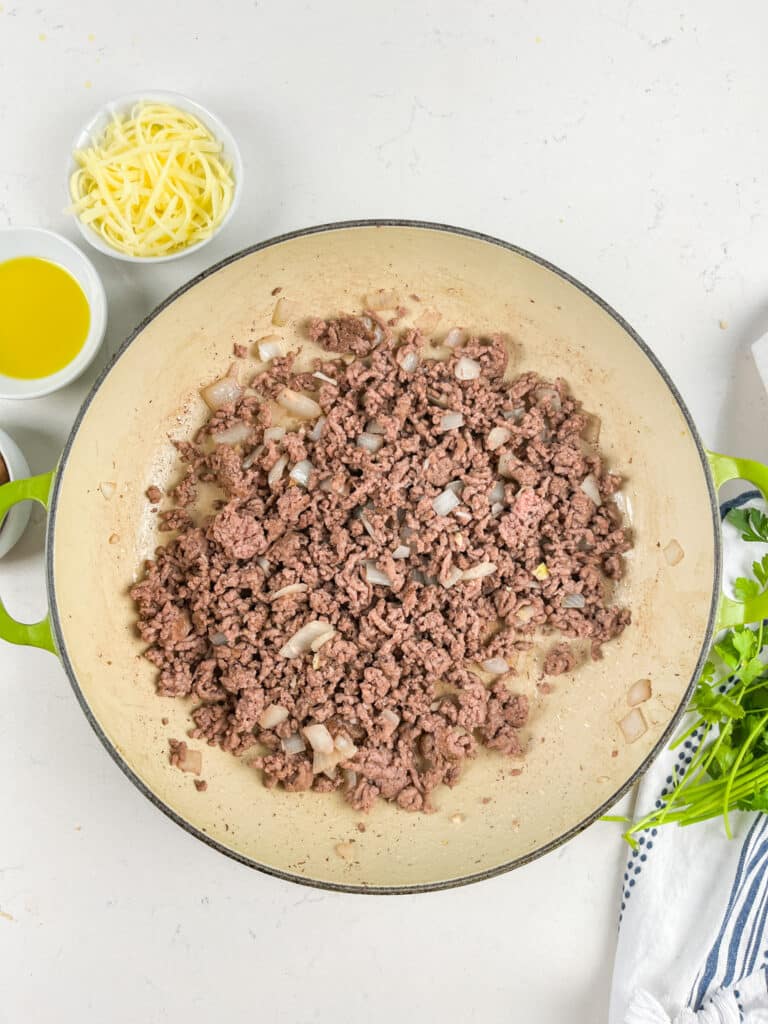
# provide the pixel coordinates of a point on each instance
(44, 317)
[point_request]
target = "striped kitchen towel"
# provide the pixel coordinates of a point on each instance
(693, 932)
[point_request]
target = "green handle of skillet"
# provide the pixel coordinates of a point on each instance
(29, 634)
(724, 468)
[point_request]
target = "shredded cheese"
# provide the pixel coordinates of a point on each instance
(156, 182)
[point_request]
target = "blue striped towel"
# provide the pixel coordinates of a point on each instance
(693, 932)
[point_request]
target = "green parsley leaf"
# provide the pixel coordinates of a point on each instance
(752, 523)
(744, 589)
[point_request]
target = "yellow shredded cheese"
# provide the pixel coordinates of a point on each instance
(156, 182)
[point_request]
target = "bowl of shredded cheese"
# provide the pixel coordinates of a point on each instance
(153, 176)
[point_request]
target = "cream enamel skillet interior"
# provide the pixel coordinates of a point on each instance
(577, 761)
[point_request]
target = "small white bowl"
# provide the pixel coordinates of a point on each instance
(49, 246)
(14, 523)
(93, 131)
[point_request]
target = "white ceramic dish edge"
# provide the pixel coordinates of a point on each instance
(95, 126)
(47, 245)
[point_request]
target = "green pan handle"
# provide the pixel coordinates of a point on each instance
(725, 468)
(33, 634)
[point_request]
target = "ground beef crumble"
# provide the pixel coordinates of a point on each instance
(359, 550)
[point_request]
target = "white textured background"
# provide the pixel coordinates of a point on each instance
(624, 141)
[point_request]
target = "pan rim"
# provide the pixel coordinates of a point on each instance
(198, 833)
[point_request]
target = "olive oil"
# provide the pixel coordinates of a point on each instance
(44, 317)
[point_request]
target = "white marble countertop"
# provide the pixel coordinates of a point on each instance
(625, 141)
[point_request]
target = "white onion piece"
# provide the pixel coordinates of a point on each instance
(633, 725)
(374, 427)
(277, 470)
(507, 465)
(249, 460)
(497, 437)
(302, 639)
(316, 431)
(591, 432)
(325, 764)
(479, 571)
(270, 347)
(496, 666)
(324, 377)
(272, 716)
(401, 551)
(293, 744)
(282, 312)
(390, 719)
(456, 336)
(574, 601)
(302, 472)
(263, 563)
(445, 502)
(496, 509)
(409, 362)
(224, 391)
(370, 442)
(218, 639)
(298, 405)
(318, 642)
(467, 369)
(452, 578)
(451, 421)
(292, 588)
(375, 576)
(457, 486)
(639, 692)
(551, 395)
(513, 414)
(318, 738)
(344, 745)
(350, 779)
(590, 487)
(274, 433)
(673, 553)
(382, 299)
(497, 494)
(366, 525)
(108, 488)
(235, 434)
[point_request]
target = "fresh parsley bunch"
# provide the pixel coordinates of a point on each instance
(729, 770)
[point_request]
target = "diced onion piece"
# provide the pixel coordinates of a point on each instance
(218, 639)
(452, 577)
(591, 432)
(292, 588)
(293, 744)
(277, 470)
(513, 414)
(316, 431)
(389, 721)
(456, 336)
(457, 486)
(551, 395)
(401, 551)
(496, 666)
(374, 427)
(639, 692)
(633, 725)
(382, 299)
(507, 465)
(282, 312)
(673, 553)
(541, 572)
(274, 433)
(298, 405)
(302, 639)
(325, 764)
(451, 421)
(108, 488)
(249, 460)
(154, 181)
(479, 571)
(350, 780)
(324, 377)
(367, 526)
(496, 509)
(344, 745)
(370, 442)
(272, 715)
(375, 576)
(191, 760)
(427, 321)
(270, 347)
(224, 391)
(574, 601)
(318, 738)
(445, 502)
(318, 642)
(497, 436)
(263, 563)
(497, 494)
(409, 362)
(235, 434)
(302, 472)
(467, 369)
(591, 488)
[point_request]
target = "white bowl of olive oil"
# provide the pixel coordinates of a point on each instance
(54, 312)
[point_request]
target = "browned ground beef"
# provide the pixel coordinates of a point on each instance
(396, 684)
